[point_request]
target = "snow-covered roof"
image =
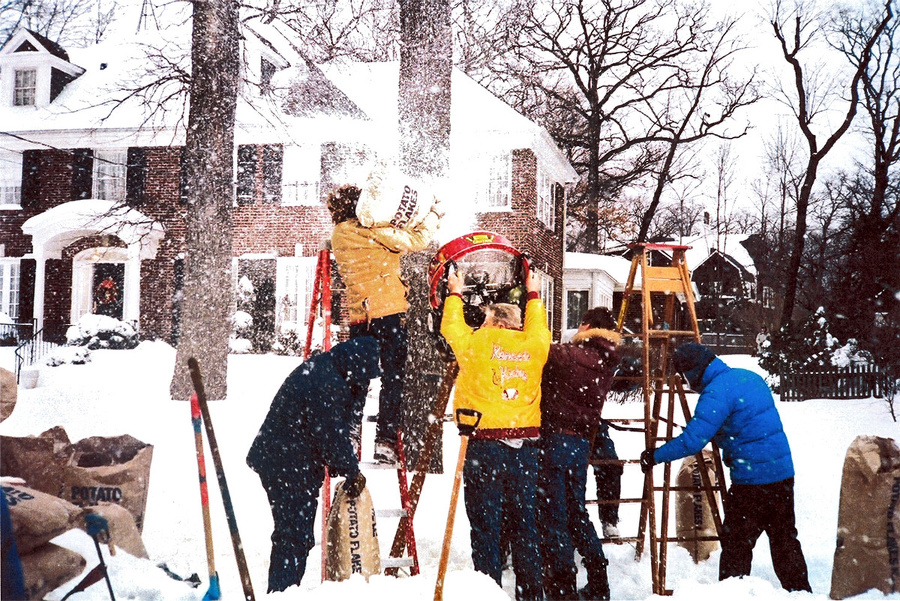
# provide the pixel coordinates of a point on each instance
(703, 246)
(617, 267)
(347, 101)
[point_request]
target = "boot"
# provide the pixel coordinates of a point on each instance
(598, 582)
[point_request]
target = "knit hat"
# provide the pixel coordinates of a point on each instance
(690, 359)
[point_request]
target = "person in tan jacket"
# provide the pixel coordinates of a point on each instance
(368, 259)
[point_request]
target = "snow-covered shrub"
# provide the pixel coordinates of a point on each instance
(61, 355)
(850, 354)
(102, 332)
(289, 341)
(242, 325)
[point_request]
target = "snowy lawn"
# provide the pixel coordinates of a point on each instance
(126, 392)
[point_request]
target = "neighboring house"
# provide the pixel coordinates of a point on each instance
(592, 281)
(724, 283)
(91, 198)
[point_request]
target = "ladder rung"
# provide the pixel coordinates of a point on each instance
(397, 562)
(612, 501)
(621, 540)
(390, 513)
(377, 465)
(691, 489)
(665, 333)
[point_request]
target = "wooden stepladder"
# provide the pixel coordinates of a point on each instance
(406, 555)
(668, 318)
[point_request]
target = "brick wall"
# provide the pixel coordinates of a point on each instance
(528, 233)
(258, 228)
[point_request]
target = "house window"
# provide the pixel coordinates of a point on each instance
(9, 288)
(110, 174)
(10, 180)
(546, 294)
(768, 297)
(576, 305)
(294, 289)
(546, 205)
(259, 171)
(26, 86)
(494, 191)
(300, 175)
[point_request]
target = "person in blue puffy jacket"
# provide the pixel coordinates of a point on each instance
(306, 430)
(736, 411)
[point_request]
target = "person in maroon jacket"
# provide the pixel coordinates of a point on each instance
(575, 382)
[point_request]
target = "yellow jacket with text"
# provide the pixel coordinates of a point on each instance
(499, 369)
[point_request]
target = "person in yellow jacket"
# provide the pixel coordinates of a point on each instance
(500, 367)
(368, 259)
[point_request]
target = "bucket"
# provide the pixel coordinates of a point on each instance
(28, 377)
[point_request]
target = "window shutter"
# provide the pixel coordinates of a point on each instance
(183, 184)
(246, 174)
(273, 156)
(82, 173)
(31, 170)
(136, 177)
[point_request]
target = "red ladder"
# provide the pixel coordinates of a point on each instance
(321, 299)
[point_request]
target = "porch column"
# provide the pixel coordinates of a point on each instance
(40, 274)
(131, 309)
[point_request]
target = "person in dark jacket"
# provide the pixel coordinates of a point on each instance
(575, 382)
(736, 411)
(306, 430)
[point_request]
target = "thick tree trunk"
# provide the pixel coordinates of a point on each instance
(424, 127)
(208, 151)
(790, 292)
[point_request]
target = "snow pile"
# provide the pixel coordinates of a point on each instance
(127, 392)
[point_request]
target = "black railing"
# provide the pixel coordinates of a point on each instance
(11, 334)
(34, 348)
(853, 382)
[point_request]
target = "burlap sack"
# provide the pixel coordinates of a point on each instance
(48, 567)
(38, 517)
(868, 533)
(123, 532)
(693, 515)
(9, 391)
(96, 469)
(391, 198)
(352, 537)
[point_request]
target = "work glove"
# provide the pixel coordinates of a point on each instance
(647, 461)
(354, 487)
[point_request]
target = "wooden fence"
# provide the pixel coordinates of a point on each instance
(854, 382)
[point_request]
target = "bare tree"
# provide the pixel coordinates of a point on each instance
(871, 269)
(359, 30)
(796, 29)
(703, 104)
(603, 77)
(209, 151)
(424, 126)
(66, 22)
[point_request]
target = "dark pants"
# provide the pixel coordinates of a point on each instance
(498, 476)
(293, 503)
(390, 332)
(608, 476)
(565, 524)
(751, 510)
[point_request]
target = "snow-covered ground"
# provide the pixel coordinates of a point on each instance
(126, 392)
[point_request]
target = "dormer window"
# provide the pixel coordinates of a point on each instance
(26, 86)
(34, 70)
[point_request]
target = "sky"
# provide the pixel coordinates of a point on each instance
(126, 392)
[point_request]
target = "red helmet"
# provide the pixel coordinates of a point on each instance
(487, 257)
